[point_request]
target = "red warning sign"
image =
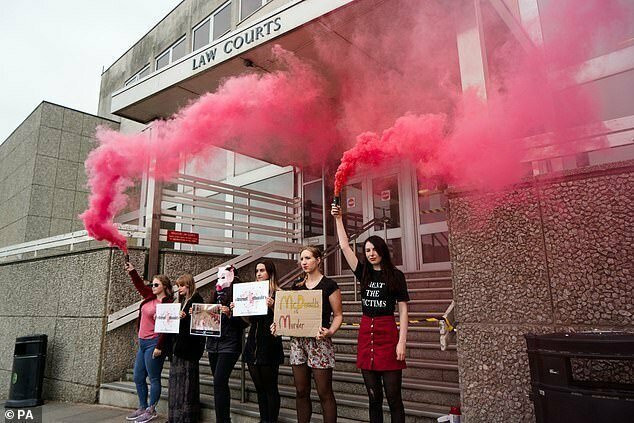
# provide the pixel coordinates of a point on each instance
(184, 237)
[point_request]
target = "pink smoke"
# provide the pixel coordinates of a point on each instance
(281, 112)
(472, 142)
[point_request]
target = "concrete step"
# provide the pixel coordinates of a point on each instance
(350, 408)
(413, 306)
(123, 394)
(440, 370)
(415, 333)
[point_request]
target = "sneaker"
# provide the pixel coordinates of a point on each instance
(135, 414)
(148, 415)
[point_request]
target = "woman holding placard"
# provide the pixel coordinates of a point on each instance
(152, 346)
(224, 350)
(316, 355)
(381, 345)
(184, 380)
(263, 352)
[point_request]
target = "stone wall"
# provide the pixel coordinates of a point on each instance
(68, 297)
(63, 297)
(550, 255)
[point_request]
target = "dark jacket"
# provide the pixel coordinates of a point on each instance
(146, 293)
(262, 348)
(231, 328)
(186, 346)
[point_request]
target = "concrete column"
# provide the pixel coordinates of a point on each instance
(471, 51)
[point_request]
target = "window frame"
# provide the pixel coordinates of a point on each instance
(263, 3)
(168, 51)
(209, 19)
(137, 76)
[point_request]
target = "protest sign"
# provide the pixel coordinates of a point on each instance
(249, 298)
(167, 318)
(298, 313)
(205, 320)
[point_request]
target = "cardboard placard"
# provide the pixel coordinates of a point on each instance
(298, 313)
(205, 320)
(167, 319)
(249, 298)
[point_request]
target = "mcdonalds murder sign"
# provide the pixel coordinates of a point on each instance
(298, 313)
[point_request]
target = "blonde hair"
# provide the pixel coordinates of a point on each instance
(187, 280)
(316, 253)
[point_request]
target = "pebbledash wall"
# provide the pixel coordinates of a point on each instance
(68, 297)
(551, 255)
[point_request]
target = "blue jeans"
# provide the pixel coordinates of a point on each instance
(145, 366)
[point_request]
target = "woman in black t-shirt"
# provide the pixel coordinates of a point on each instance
(316, 355)
(381, 345)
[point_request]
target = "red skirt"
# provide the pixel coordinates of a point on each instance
(376, 349)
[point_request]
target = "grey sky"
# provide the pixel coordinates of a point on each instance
(56, 50)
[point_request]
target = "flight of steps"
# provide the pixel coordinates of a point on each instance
(430, 382)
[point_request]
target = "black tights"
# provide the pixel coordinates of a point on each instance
(374, 383)
(323, 380)
(265, 381)
(221, 368)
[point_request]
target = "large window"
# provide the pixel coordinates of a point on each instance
(145, 71)
(247, 7)
(173, 53)
(213, 27)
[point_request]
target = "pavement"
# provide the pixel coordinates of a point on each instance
(63, 412)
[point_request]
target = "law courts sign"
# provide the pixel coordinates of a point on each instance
(288, 17)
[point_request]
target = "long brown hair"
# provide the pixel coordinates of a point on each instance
(316, 252)
(389, 270)
(187, 280)
(167, 285)
(270, 270)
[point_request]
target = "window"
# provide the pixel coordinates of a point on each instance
(173, 53)
(247, 7)
(213, 27)
(138, 76)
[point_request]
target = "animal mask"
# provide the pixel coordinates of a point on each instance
(225, 277)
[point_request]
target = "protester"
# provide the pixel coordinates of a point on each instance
(224, 351)
(263, 352)
(152, 346)
(316, 355)
(381, 345)
(184, 379)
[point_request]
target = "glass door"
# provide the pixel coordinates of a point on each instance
(389, 195)
(433, 230)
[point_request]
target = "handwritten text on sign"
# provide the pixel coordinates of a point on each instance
(167, 319)
(298, 313)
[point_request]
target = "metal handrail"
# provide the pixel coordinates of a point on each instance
(286, 279)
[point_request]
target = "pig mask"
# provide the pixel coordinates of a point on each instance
(225, 278)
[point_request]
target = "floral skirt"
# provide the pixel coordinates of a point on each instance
(316, 353)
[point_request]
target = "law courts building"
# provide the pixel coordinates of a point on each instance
(503, 283)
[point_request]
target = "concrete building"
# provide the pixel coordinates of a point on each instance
(507, 276)
(43, 181)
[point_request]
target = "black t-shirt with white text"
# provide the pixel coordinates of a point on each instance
(376, 299)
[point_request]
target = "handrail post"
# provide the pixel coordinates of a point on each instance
(354, 250)
(243, 382)
(385, 229)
